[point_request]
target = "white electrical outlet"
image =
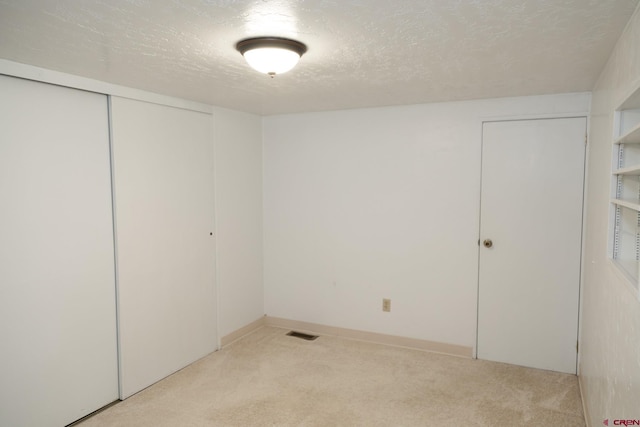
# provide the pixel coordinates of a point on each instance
(386, 304)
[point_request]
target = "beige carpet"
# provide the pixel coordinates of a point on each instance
(270, 379)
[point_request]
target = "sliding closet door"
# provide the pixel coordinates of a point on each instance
(163, 172)
(58, 360)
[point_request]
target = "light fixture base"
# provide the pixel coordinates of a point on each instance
(276, 42)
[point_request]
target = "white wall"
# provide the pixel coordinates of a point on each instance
(367, 204)
(238, 188)
(610, 338)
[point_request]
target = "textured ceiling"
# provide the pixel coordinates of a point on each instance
(362, 53)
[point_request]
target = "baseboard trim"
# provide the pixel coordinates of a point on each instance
(585, 408)
(416, 344)
(239, 333)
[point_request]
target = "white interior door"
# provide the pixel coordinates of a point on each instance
(164, 198)
(58, 360)
(531, 211)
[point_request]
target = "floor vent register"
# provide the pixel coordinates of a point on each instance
(302, 335)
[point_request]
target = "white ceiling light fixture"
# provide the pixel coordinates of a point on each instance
(271, 55)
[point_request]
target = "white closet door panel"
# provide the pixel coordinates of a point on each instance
(163, 172)
(57, 285)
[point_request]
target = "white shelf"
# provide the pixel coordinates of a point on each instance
(632, 102)
(625, 227)
(633, 170)
(631, 137)
(627, 204)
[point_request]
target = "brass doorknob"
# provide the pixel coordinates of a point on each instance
(487, 243)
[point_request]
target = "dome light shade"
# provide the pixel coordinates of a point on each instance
(271, 55)
(271, 60)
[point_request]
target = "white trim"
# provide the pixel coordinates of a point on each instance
(242, 332)
(115, 248)
(585, 408)
(30, 72)
(521, 117)
(216, 249)
(583, 248)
